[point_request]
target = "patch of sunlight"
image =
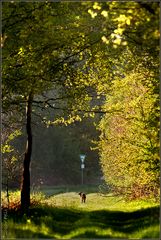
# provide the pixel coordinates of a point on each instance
(64, 200)
(105, 40)
(136, 205)
(29, 221)
(21, 51)
(107, 202)
(92, 13)
(149, 232)
(90, 232)
(14, 228)
(96, 6)
(95, 201)
(28, 226)
(104, 13)
(42, 229)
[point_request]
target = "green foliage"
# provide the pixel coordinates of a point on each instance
(128, 23)
(48, 54)
(6, 147)
(129, 144)
(129, 82)
(11, 159)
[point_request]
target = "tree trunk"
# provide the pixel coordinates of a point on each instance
(25, 189)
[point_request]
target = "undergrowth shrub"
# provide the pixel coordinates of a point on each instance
(135, 192)
(13, 202)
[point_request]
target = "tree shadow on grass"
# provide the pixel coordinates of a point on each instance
(127, 221)
(64, 221)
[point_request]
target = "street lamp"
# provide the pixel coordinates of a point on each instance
(82, 158)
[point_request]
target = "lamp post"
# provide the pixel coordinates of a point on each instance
(82, 158)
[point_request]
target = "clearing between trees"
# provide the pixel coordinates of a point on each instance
(57, 213)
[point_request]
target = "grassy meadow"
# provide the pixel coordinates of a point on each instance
(57, 213)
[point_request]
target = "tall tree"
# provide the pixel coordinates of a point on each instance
(45, 52)
(129, 145)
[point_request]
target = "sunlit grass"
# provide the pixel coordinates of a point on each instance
(96, 201)
(149, 232)
(63, 216)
